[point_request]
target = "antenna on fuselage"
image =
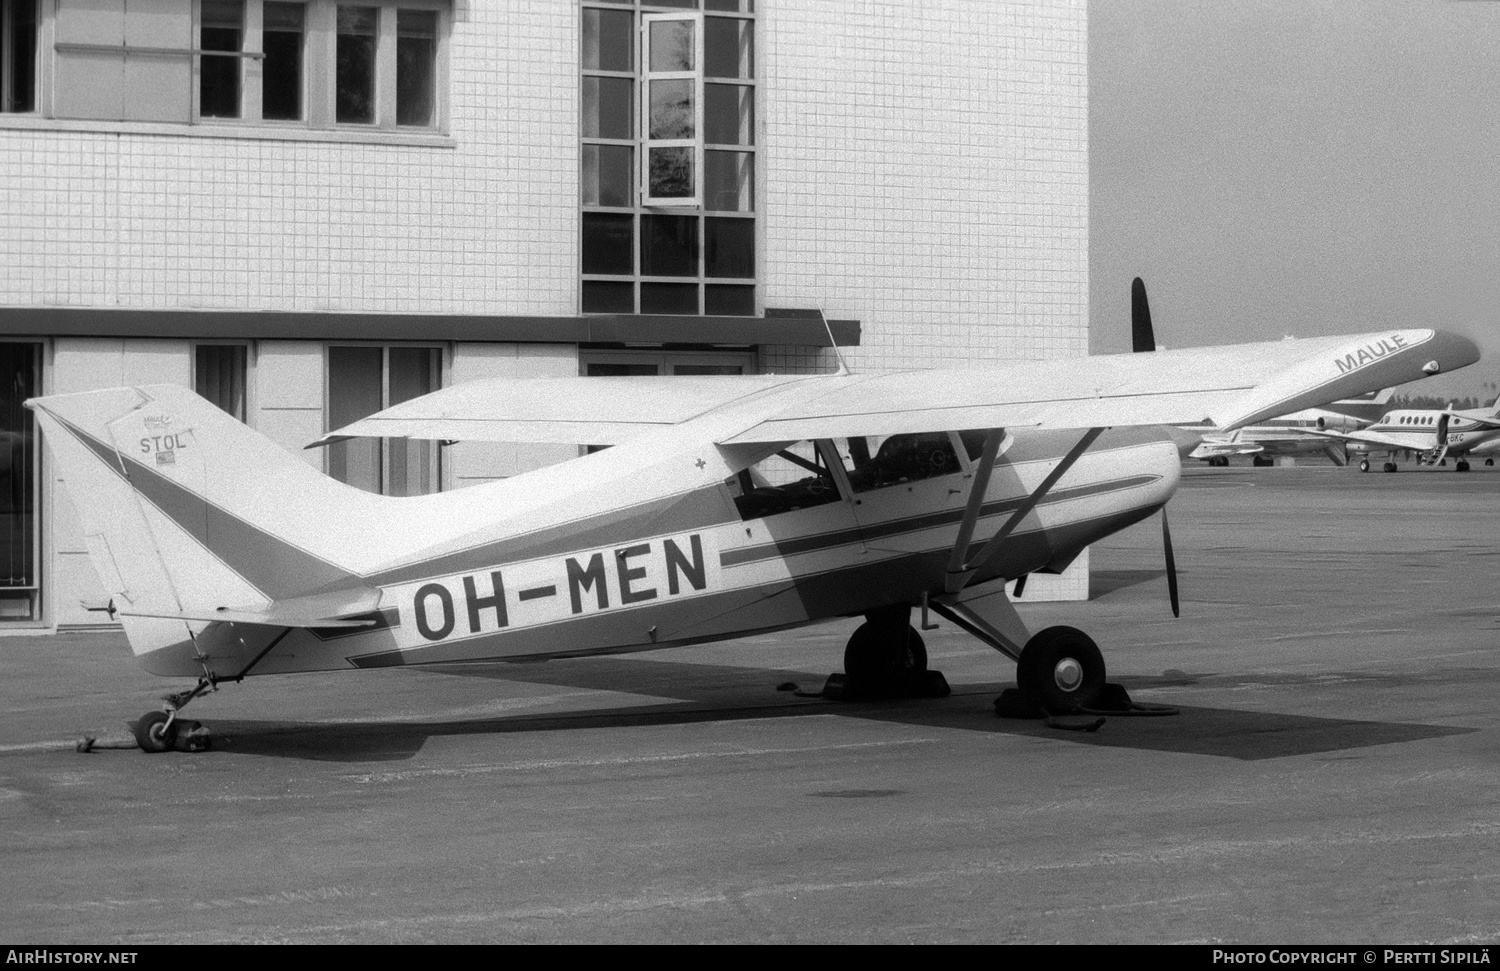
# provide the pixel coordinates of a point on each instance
(832, 342)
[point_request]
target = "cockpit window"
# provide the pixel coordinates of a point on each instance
(794, 478)
(877, 463)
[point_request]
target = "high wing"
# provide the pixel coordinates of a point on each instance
(593, 411)
(1231, 386)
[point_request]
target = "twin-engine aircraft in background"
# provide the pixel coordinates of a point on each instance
(1433, 434)
(728, 505)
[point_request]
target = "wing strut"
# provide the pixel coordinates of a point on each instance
(960, 570)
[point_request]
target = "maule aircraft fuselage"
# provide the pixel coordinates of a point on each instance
(726, 506)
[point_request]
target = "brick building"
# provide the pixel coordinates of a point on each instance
(309, 210)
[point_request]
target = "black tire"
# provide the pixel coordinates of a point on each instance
(1364, 466)
(879, 653)
(1062, 669)
(153, 734)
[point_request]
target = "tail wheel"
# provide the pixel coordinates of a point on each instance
(878, 653)
(1061, 668)
(153, 733)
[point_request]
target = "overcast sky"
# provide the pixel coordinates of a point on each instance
(1303, 167)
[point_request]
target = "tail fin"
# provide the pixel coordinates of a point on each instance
(186, 511)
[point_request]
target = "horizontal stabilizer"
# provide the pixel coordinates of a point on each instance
(339, 608)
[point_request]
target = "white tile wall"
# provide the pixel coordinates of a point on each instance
(926, 171)
(164, 221)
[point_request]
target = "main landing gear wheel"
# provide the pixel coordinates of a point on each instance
(1388, 467)
(1364, 465)
(1460, 466)
(156, 731)
(879, 654)
(1062, 669)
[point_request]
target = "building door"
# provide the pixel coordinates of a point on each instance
(20, 479)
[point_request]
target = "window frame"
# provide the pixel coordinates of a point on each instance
(442, 375)
(653, 293)
(251, 400)
(7, 34)
(694, 143)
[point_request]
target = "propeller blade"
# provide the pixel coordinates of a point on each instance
(1166, 543)
(1020, 585)
(1142, 337)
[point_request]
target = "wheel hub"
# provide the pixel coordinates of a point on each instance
(1068, 674)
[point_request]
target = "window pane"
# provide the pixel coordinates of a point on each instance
(416, 66)
(729, 247)
(671, 173)
(669, 246)
(219, 77)
(219, 376)
(672, 45)
(608, 243)
(729, 180)
(355, 95)
(728, 114)
(412, 470)
(669, 298)
(18, 58)
(730, 301)
(610, 369)
(354, 392)
(606, 175)
(603, 297)
(728, 48)
(607, 40)
(608, 108)
(281, 83)
(730, 6)
(671, 109)
(699, 370)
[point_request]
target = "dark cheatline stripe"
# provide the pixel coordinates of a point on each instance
(684, 512)
(911, 524)
(270, 564)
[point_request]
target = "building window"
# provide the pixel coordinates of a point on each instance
(18, 68)
(219, 374)
(20, 539)
(281, 70)
(221, 36)
(364, 380)
(322, 64)
(667, 158)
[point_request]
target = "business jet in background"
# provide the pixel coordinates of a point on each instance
(1434, 435)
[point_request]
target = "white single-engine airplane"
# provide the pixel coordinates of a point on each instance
(1434, 434)
(728, 505)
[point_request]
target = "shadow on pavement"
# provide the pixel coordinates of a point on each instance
(712, 693)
